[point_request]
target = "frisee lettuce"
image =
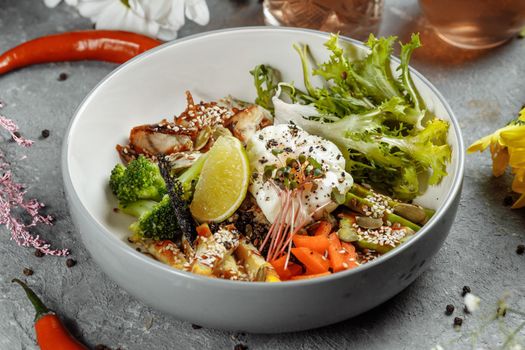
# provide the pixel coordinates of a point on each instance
(377, 118)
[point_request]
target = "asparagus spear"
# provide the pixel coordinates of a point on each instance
(363, 192)
(355, 202)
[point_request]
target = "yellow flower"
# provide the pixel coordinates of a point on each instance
(507, 147)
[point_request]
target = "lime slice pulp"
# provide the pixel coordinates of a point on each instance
(223, 181)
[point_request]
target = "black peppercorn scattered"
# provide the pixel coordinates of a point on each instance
(195, 326)
(240, 347)
(62, 76)
(466, 310)
(466, 290)
(71, 262)
(39, 253)
(520, 249)
(45, 133)
(458, 321)
(507, 201)
(449, 310)
(27, 271)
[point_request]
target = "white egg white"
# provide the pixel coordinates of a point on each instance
(293, 142)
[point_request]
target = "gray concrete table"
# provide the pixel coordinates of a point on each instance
(485, 89)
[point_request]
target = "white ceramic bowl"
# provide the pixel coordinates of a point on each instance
(212, 65)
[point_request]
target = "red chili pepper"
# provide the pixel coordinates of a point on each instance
(98, 45)
(50, 333)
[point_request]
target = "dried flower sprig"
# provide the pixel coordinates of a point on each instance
(12, 197)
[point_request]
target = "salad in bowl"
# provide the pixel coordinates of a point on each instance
(303, 182)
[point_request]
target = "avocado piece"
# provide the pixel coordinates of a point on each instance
(347, 233)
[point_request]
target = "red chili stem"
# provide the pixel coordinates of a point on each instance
(40, 308)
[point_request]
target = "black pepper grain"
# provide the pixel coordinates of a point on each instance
(62, 76)
(39, 253)
(466, 290)
(45, 133)
(27, 271)
(520, 249)
(195, 326)
(458, 321)
(240, 347)
(71, 262)
(449, 309)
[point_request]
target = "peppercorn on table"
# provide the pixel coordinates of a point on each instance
(486, 89)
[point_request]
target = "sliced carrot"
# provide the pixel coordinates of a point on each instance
(307, 277)
(335, 254)
(313, 261)
(316, 243)
(203, 230)
(352, 255)
(342, 255)
(323, 229)
(291, 270)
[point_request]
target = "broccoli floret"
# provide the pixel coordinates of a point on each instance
(137, 208)
(155, 222)
(156, 219)
(140, 180)
(117, 174)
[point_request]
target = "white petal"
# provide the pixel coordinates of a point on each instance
(51, 3)
(471, 302)
(175, 18)
(93, 8)
(197, 11)
(167, 34)
(122, 18)
(72, 2)
(137, 7)
(155, 10)
(112, 17)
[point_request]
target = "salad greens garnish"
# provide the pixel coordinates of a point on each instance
(377, 118)
(266, 80)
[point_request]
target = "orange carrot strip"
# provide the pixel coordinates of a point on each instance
(204, 230)
(323, 229)
(351, 256)
(285, 274)
(316, 243)
(335, 254)
(307, 277)
(313, 261)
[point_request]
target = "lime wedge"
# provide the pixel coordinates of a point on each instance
(223, 181)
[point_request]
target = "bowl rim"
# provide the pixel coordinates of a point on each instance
(171, 272)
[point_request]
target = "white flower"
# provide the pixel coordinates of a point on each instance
(156, 18)
(471, 302)
(54, 3)
(516, 347)
(437, 347)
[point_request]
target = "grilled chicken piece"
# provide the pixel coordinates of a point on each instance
(167, 252)
(155, 139)
(249, 120)
(195, 129)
